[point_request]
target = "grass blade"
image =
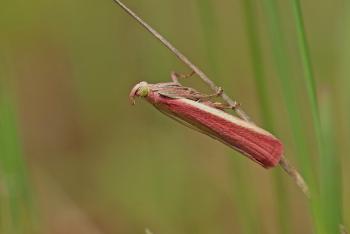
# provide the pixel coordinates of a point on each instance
(253, 36)
(331, 198)
(331, 211)
(246, 207)
(210, 33)
(17, 213)
(283, 70)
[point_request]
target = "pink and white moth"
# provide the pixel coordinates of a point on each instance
(196, 111)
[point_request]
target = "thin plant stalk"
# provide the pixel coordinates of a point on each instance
(331, 211)
(331, 190)
(16, 211)
(210, 32)
(283, 70)
(245, 195)
(252, 31)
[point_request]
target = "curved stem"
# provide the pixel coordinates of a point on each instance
(291, 171)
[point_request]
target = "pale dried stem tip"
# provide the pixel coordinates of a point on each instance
(283, 163)
(342, 229)
(147, 231)
(294, 174)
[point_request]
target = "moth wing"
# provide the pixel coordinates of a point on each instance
(181, 93)
(169, 94)
(183, 122)
(177, 119)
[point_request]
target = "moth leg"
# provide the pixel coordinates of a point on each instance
(175, 76)
(203, 97)
(223, 106)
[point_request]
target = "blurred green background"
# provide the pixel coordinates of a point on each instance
(76, 157)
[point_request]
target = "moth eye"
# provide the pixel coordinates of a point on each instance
(143, 91)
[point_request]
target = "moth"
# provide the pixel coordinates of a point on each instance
(196, 110)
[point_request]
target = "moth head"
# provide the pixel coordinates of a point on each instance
(141, 89)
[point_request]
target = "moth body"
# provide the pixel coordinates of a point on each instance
(185, 105)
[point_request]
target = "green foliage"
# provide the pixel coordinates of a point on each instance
(252, 30)
(17, 214)
(326, 212)
(284, 73)
(119, 168)
(330, 192)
